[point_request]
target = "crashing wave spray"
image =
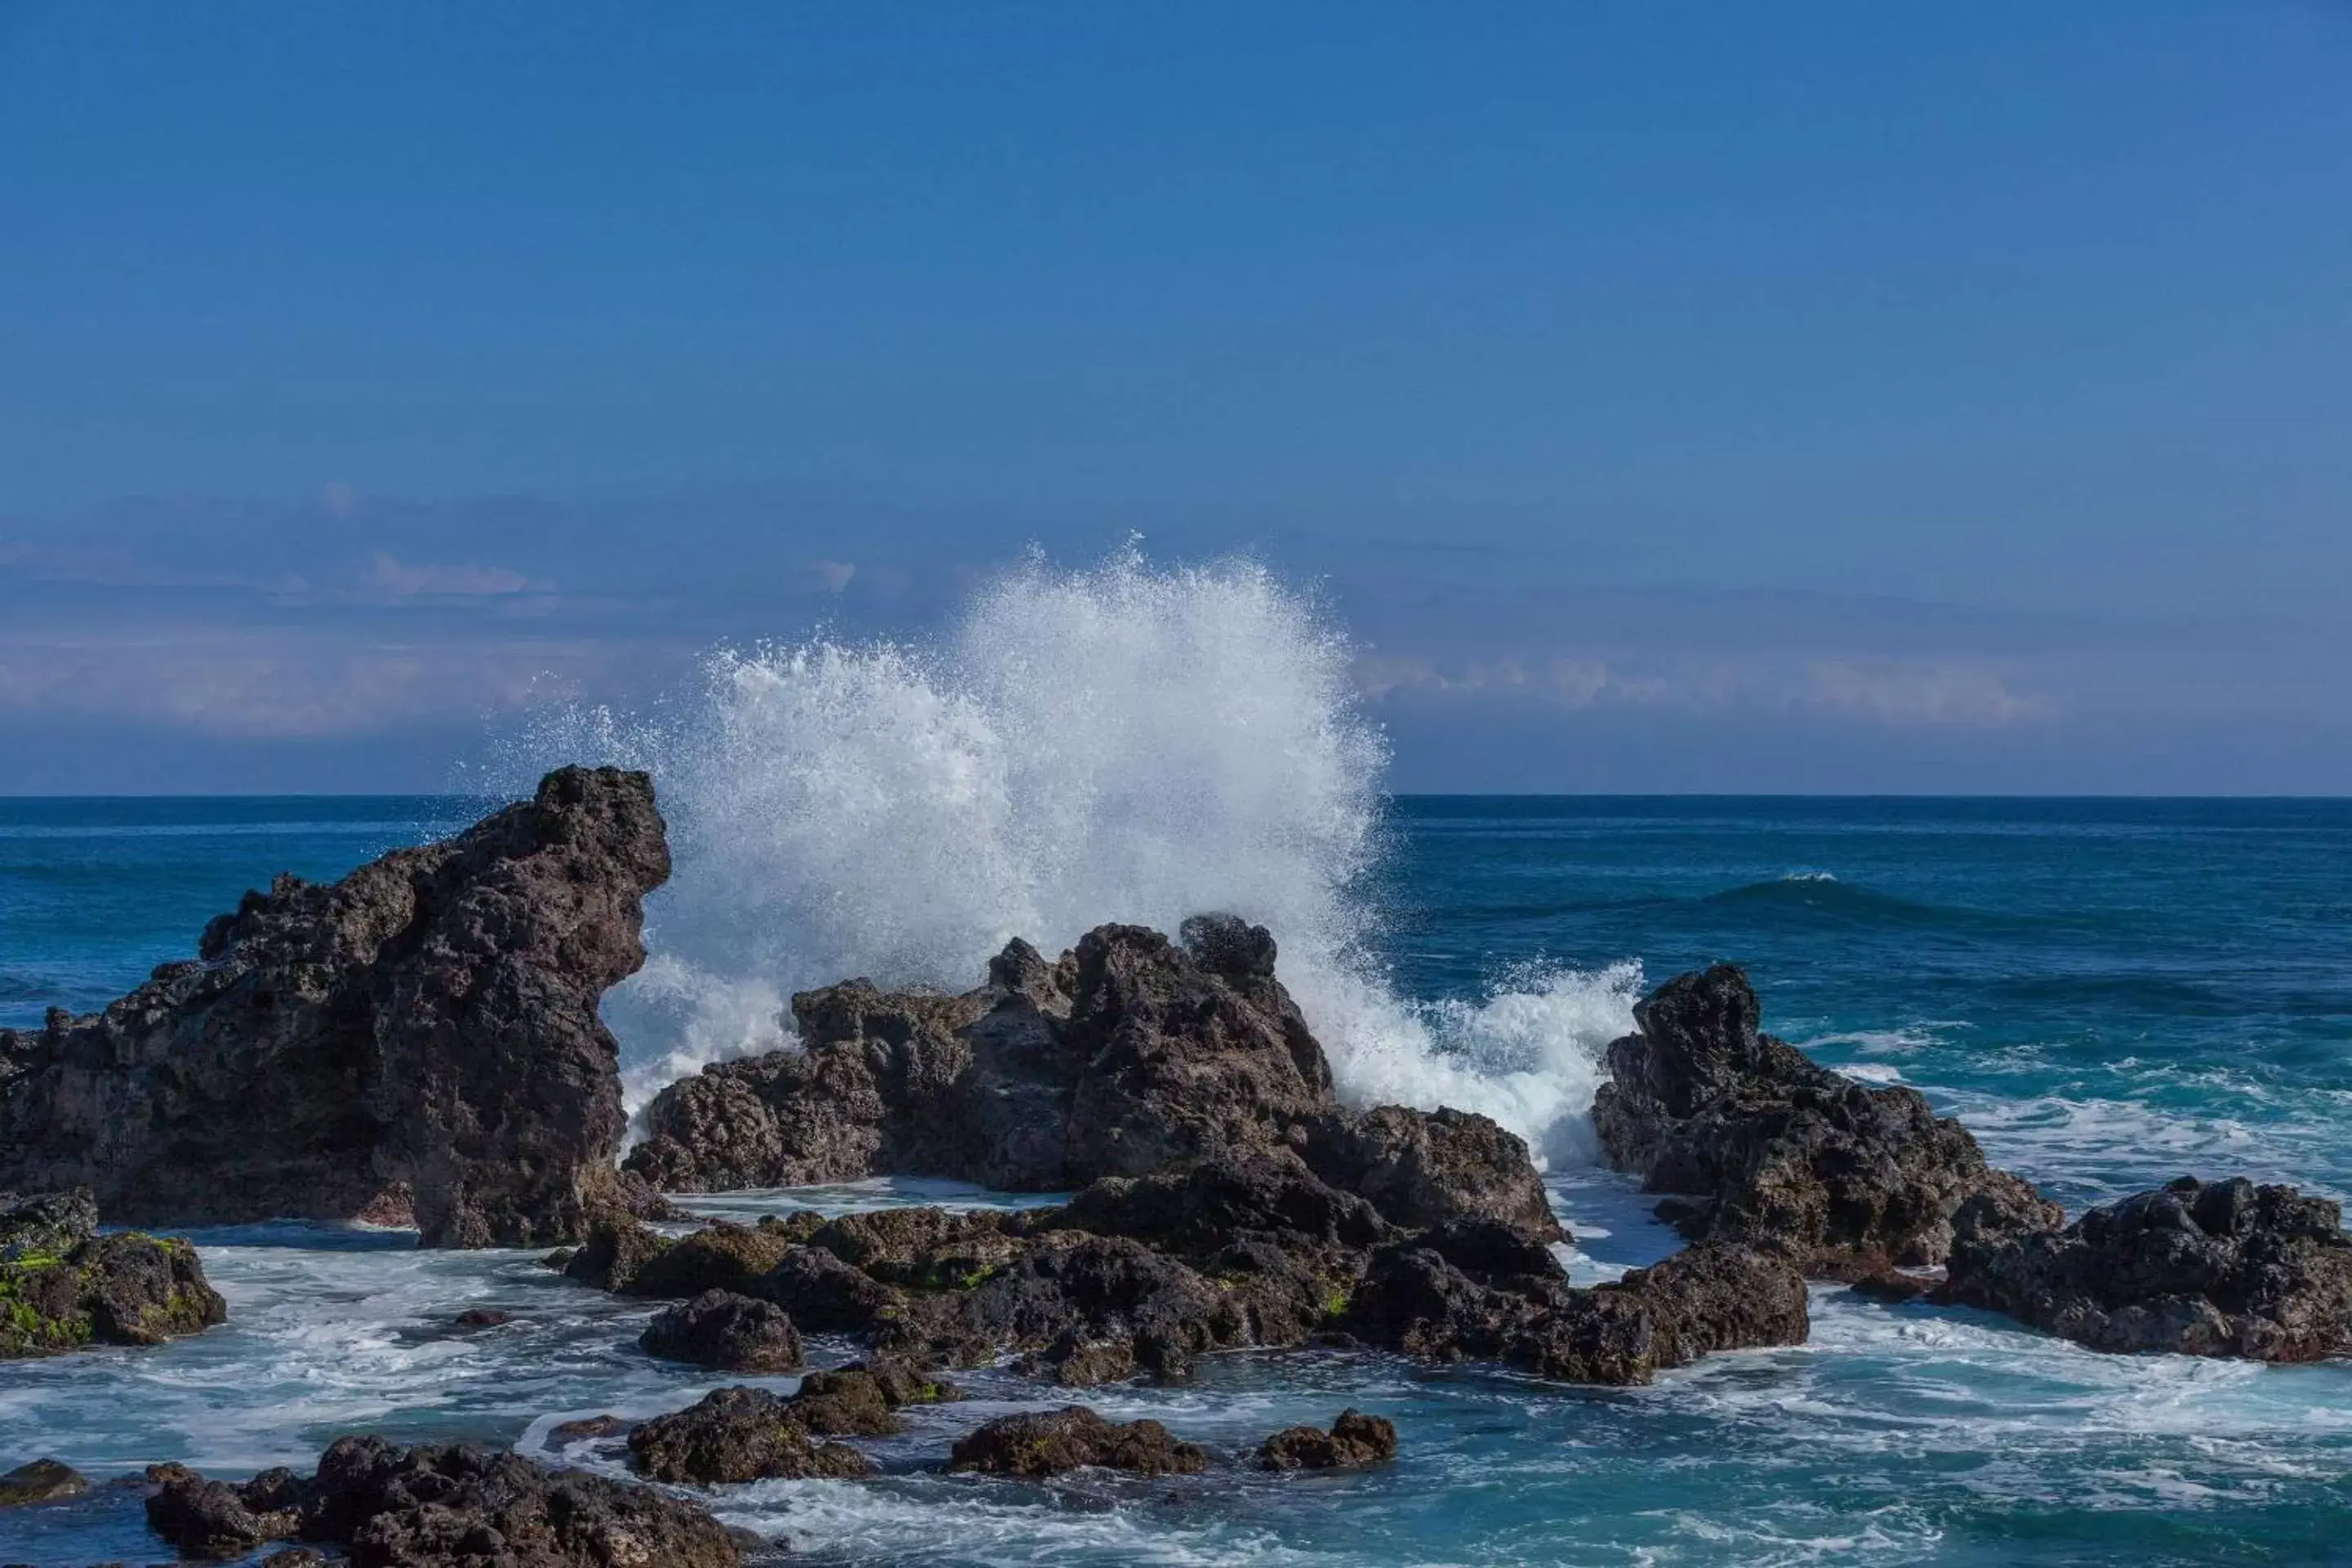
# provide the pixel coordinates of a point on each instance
(1119, 743)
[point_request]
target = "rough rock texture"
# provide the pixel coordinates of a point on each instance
(2223, 1269)
(428, 1507)
(720, 1329)
(1047, 1443)
(419, 1040)
(63, 1286)
(1784, 1153)
(737, 1434)
(43, 1480)
(1131, 1055)
(1354, 1440)
(860, 1400)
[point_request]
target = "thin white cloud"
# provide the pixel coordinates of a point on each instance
(401, 581)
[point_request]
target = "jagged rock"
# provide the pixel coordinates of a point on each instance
(43, 1480)
(1784, 1153)
(722, 1330)
(825, 1295)
(616, 1249)
(922, 1248)
(1424, 1168)
(588, 1428)
(1197, 1210)
(2222, 1269)
(1354, 1440)
(432, 1506)
(1131, 1055)
(737, 1434)
(64, 1288)
(417, 1041)
(1048, 1442)
(483, 1317)
(722, 1256)
(1892, 1285)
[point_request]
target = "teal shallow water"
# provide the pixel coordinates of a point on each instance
(2109, 993)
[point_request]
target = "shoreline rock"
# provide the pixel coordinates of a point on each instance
(416, 1042)
(40, 1481)
(1038, 1443)
(1354, 1441)
(734, 1435)
(1780, 1153)
(2219, 1269)
(63, 1286)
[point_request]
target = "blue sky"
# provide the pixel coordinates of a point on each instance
(1694, 397)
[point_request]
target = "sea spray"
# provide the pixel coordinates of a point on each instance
(1123, 743)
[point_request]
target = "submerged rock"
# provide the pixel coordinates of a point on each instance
(1354, 1440)
(1048, 1442)
(2220, 1269)
(416, 1042)
(43, 1480)
(737, 1434)
(435, 1507)
(64, 1288)
(1132, 1056)
(722, 1330)
(1784, 1153)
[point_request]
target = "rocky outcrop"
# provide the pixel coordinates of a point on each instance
(1354, 1441)
(1132, 1056)
(63, 1286)
(726, 1331)
(42, 1481)
(737, 1434)
(418, 1041)
(1780, 1153)
(1048, 1442)
(429, 1506)
(2220, 1269)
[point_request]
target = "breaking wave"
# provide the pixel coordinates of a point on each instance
(1123, 743)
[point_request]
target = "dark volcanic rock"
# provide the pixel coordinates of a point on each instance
(1783, 1153)
(43, 1480)
(63, 1288)
(720, 1329)
(417, 1041)
(1047, 1443)
(825, 1295)
(722, 1256)
(1131, 1056)
(1354, 1440)
(737, 1434)
(440, 1508)
(859, 1400)
(483, 1317)
(2221, 1268)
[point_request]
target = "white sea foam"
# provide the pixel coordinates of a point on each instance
(1124, 743)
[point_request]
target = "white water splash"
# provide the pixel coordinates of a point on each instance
(1119, 743)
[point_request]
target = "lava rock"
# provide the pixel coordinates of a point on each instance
(64, 1288)
(418, 1042)
(1784, 1153)
(722, 1256)
(587, 1429)
(720, 1329)
(483, 1317)
(737, 1434)
(825, 1295)
(43, 1480)
(1048, 1442)
(1354, 1440)
(1892, 1285)
(1422, 1168)
(2220, 1269)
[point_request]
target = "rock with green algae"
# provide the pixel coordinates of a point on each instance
(63, 1286)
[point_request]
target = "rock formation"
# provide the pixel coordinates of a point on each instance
(417, 1041)
(1780, 1153)
(431, 1507)
(729, 1332)
(737, 1434)
(1355, 1440)
(64, 1286)
(42, 1481)
(2223, 1269)
(1047, 1443)
(1131, 1055)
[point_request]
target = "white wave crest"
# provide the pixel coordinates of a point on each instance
(1118, 743)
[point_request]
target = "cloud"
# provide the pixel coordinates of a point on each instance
(391, 576)
(1892, 692)
(833, 576)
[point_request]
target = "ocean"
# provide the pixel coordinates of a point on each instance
(2109, 993)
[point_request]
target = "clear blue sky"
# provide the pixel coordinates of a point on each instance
(1726, 396)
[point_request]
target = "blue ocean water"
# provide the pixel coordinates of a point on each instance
(2109, 993)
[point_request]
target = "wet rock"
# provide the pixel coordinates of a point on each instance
(63, 1288)
(217, 1520)
(737, 1434)
(617, 1249)
(2221, 1268)
(851, 1402)
(922, 1248)
(1782, 1152)
(722, 1256)
(825, 1295)
(1892, 1285)
(294, 1557)
(1049, 1443)
(418, 1041)
(1354, 1440)
(587, 1429)
(1197, 1210)
(720, 1329)
(483, 1317)
(1422, 1168)
(43, 1480)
